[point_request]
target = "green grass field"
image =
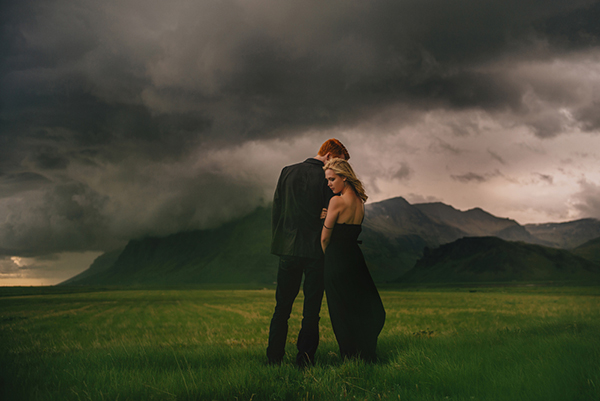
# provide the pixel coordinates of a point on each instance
(511, 343)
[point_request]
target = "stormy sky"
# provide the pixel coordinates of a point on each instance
(122, 119)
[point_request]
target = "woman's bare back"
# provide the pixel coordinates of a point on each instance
(353, 210)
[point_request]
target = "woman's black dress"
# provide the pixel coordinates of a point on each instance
(355, 308)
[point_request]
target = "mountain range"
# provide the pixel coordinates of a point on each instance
(396, 235)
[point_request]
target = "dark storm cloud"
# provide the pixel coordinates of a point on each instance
(548, 179)
(587, 200)
(589, 116)
(64, 217)
(496, 157)
(252, 69)
(475, 177)
(72, 216)
(403, 172)
(575, 28)
(25, 180)
(15, 183)
(440, 146)
(94, 95)
(469, 177)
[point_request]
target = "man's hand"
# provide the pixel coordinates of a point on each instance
(323, 213)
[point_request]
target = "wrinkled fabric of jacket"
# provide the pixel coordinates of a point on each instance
(300, 196)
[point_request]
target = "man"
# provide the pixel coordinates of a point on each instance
(298, 203)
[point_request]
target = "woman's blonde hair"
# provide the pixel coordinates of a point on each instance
(342, 168)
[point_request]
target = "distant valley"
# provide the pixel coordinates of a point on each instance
(402, 242)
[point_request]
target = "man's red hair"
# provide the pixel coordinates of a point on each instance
(334, 147)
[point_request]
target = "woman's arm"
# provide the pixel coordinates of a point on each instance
(333, 211)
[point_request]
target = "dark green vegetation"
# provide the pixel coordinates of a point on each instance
(490, 259)
(395, 234)
(519, 343)
(237, 252)
(590, 250)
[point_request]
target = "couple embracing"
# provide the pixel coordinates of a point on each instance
(318, 208)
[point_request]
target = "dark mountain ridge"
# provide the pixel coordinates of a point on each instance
(395, 234)
(477, 222)
(567, 235)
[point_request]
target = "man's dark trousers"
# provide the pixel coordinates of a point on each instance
(289, 278)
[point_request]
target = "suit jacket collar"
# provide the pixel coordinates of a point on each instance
(312, 160)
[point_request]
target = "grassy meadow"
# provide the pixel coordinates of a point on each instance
(500, 343)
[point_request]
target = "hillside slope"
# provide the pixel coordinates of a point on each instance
(567, 235)
(395, 233)
(237, 252)
(590, 250)
(491, 259)
(476, 222)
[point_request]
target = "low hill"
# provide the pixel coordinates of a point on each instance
(237, 252)
(567, 235)
(590, 250)
(491, 259)
(102, 263)
(395, 234)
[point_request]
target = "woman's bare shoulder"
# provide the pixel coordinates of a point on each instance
(337, 201)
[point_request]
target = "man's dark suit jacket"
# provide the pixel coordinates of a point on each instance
(300, 196)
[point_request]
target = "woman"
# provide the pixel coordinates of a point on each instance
(355, 308)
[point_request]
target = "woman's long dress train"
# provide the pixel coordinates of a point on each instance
(355, 308)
